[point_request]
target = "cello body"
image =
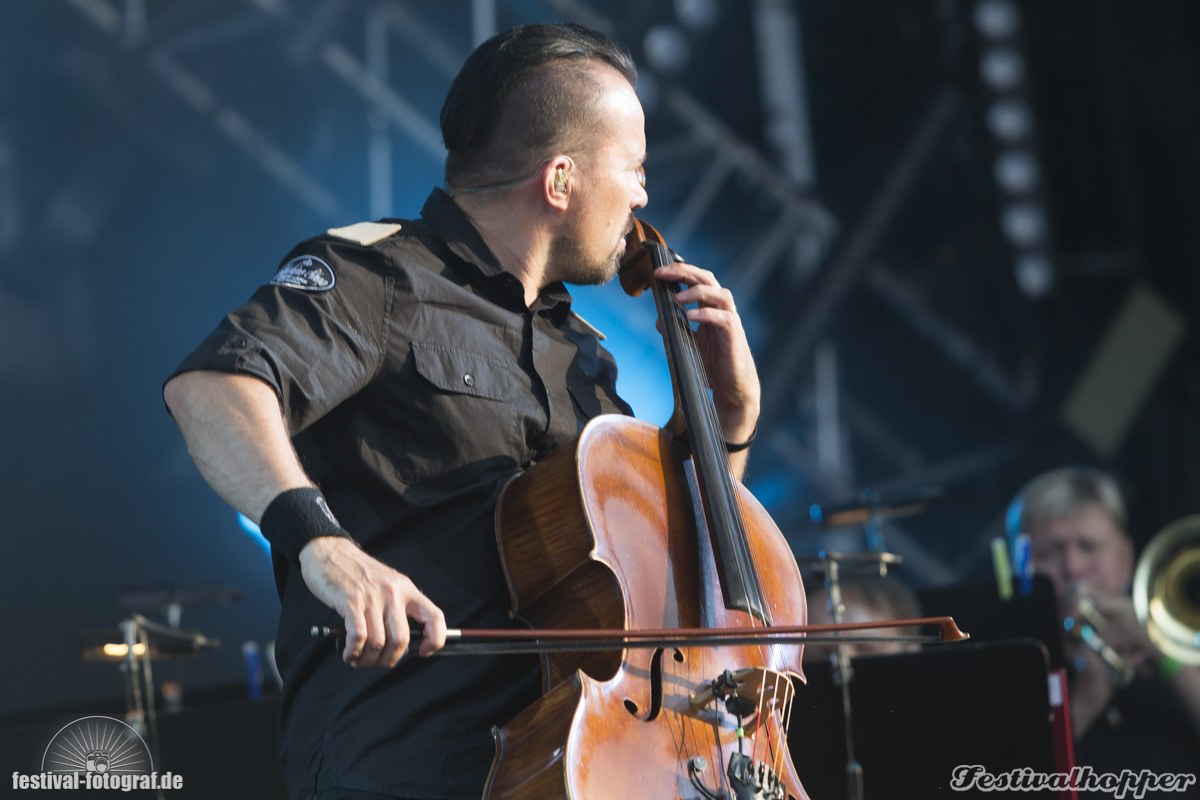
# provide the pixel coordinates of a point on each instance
(611, 533)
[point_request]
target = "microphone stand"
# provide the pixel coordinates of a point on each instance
(140, 713)
(843, 673)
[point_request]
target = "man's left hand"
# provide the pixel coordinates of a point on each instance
(723, 347)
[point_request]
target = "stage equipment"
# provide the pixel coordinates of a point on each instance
(871, 508)
(830, 565)
(143, 641)
(160, 644)
(170, 600)
(919, 715)
(1123, 370)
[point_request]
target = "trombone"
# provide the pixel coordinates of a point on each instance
(1166, 590)
(1166, 599)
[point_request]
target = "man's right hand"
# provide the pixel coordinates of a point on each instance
(374, 601)
(236, 434)
(1124, 633)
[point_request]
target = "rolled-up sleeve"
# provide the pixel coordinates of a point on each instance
(315, 344)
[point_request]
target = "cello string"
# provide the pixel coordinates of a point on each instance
(678, 332)
(774, 750)
(743, 558)
(781, 737)
(674, 316)
(781, 744)
(762, 693)
(786, 720)
(705, 416)
(776, 742)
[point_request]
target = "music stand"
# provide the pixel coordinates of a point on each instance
(919, 715)
(979, 610)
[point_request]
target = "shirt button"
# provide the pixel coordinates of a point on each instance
(469, 379)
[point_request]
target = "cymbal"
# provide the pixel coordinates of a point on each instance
(158, 597)
(108, 645)
(870, 505)
(867, 558)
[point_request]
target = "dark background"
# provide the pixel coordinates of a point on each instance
(157, 159)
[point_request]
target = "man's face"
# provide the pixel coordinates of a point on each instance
(607, 184)
(1084, 550)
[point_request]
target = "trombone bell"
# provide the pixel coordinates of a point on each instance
(1166, 590)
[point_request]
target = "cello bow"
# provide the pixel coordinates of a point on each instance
(501, 641)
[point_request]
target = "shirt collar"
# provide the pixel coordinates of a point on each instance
(448, 220)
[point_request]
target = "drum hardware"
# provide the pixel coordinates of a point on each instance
(871, 508)
(831, 564)
(171, 599)
(134, 646)
(139, 644)
(139, 694)
(163, 644)
(170, 642)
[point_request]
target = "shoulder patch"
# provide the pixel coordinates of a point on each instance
(306, 272)
(599, 334)
(365, 233)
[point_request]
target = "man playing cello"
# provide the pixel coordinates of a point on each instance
(367, 405)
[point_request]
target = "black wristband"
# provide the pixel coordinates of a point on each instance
(740, 446)
(296, 517)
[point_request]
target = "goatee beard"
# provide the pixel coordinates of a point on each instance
(575, 268)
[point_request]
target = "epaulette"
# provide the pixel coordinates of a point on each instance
(599, 334)
(365, 233)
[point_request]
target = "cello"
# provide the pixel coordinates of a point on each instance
(666, 605)
(635, 528)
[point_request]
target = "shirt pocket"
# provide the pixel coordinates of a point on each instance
(463, 372)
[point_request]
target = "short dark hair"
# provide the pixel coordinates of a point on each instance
(522, 93)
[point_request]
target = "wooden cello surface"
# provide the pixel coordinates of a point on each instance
(614, 533)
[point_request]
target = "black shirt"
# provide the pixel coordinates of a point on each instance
(1144, 728)
(416, 383)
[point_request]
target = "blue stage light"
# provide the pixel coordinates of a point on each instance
(247, 525)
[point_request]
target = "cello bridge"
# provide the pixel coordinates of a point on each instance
(748, 693)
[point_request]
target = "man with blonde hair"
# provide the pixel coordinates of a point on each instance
(1076, 520)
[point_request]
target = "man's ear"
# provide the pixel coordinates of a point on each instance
(556, 181)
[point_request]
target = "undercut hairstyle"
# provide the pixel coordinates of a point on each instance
(522, 96)
(1069, 490)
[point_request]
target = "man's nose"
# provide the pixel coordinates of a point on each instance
(1075, 565)
(640, 198)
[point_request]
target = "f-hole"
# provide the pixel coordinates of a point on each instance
(655, 689)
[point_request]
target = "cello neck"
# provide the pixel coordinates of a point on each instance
(739, 579)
